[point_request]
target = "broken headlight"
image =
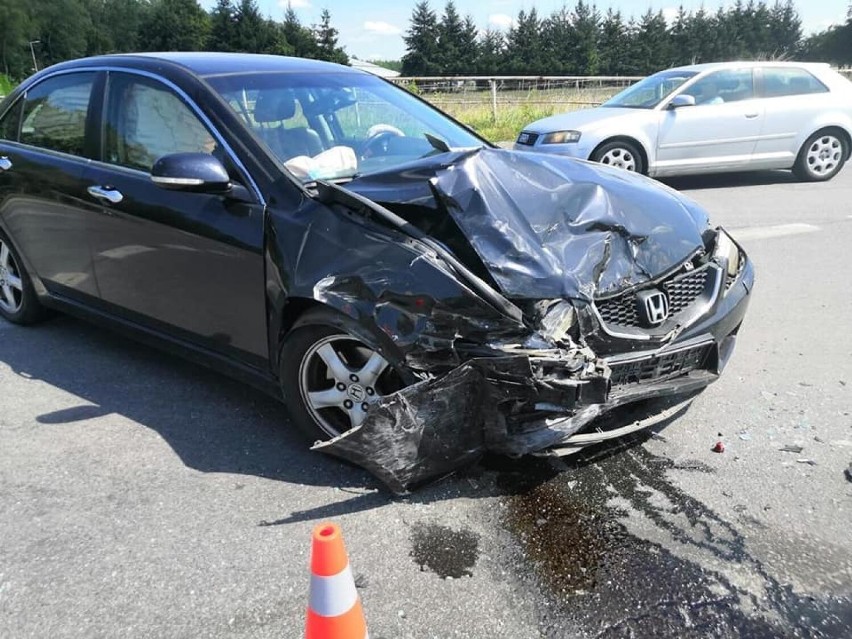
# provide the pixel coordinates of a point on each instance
(557, 322)
(561, 137)
(727, 250)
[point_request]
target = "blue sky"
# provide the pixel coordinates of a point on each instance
(373, 28)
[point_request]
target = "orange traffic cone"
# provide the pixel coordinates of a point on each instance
(334, 609)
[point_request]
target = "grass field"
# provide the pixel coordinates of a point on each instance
(515, 109)
(6, 85)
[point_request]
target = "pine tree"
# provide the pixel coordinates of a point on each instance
(785, 28)
(559, 43)
(326, 38)
(524, 45)
(421, 41)
(612, 49)
(298, 37)
(586, 20)
(174, 25)
(222, 35)
(492, 49)
(652, 43)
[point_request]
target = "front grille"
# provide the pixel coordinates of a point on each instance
(682, 291)
(660, 367)
(527, 138)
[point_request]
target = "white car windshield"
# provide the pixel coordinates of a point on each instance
(648, 93)
(338, 125)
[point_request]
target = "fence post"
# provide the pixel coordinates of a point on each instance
(493, 84)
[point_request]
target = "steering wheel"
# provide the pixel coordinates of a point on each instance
(377, 141)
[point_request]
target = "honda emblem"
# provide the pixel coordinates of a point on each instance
(654, 305)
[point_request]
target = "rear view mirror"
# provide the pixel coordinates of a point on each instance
(682, 100)
(197, 172)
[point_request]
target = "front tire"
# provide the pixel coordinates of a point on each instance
(620, 154)
(821, 156)
(18, 301)
(330, 378)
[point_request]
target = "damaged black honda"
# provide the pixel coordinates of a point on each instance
(417, 296)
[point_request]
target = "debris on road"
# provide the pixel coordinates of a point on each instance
(809, 462)
(791, 448)
(744, 435)
(848, 473)
(719, 447)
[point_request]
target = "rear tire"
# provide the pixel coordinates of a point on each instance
(620, 154)
(18, 301)
(821, 156)
(330, 377)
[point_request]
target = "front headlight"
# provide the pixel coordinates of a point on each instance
(561, 137)
(727, 250)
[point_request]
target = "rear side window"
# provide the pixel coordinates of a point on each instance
(55, 113)
(146, 120)
(790, 81)
(11, 123)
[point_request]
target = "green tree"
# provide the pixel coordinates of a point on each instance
(559, 43)
(421, 42)
(222, 29)
(16, 30)
(613, 45)
(651, 43)
(525, 52)
(297, 36)
(586, 21)
(326, 38)
(174, 25)
(786, 28)
(492, 49)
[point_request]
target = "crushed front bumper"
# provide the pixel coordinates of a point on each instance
(529, 402)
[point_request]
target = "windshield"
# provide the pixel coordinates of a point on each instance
(337, 125)
(648, 93)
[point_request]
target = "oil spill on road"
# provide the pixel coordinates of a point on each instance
(444, 551)
(600, 580)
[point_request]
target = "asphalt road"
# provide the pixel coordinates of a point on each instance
(142, 496)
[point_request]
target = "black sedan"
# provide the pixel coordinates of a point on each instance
(417, 296)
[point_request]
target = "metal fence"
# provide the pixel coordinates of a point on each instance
(476, 93)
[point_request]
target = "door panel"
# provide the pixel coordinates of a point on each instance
(720, 131)
(42, 193)
(793, 99)
(190, 261)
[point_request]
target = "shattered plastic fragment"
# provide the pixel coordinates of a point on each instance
(719, 447)
(791, 448)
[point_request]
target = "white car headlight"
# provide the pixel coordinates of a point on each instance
(726, 249)
(560, 137)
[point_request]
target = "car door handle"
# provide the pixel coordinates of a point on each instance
(105, 193)
(751, 116)
(5, 163)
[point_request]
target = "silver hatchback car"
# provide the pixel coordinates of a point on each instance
(709, 118)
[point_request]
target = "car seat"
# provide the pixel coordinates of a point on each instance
(276, 106)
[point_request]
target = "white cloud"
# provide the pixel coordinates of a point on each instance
(296, 4)
(500, 20)
(670, 14)
(382, 28)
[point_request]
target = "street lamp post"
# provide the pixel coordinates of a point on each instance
(32, 52)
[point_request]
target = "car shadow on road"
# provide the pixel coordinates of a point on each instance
(213, 423)
(729, 180)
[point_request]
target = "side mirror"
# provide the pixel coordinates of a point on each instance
(196, 172)
(682, 100)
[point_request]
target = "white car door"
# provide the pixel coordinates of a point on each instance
(793, 99)
(719, 132)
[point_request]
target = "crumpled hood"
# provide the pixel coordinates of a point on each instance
(547, 226)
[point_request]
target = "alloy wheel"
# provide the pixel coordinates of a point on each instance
(620, 158)
(11, 284)
(824, 155)
(340, 378)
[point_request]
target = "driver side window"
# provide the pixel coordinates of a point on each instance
(145, 121)
(720, 87)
